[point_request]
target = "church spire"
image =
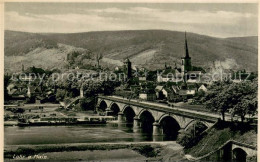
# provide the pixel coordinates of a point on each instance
(186, 48)
(175, 65)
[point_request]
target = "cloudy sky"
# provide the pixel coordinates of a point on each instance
(220, 20)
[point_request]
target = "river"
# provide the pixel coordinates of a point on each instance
(111, 132)
(70, 135)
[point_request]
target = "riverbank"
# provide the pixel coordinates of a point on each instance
(134, 151)
(218, 139)
(51, 116)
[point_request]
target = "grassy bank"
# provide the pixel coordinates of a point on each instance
(147, 150)
(219, 135)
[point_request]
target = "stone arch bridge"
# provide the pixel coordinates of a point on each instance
(155, 118)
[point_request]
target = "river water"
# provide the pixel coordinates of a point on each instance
(111, 132)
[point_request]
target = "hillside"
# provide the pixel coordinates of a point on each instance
(219, 134)
(148, 48)
(51, 58)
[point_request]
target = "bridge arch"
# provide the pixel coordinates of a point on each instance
(239, 154)
(194, 121)
(114, 109)
(129, 113)
(143, 110)
(102, 105)
(170, 126)
(165, 115)
(146, 119)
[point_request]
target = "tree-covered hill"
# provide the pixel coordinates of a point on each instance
(148, 48)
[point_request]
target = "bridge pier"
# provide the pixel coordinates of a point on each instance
(136, 122)
(108, 111)
(156, 129)
(165, 118)
(120, 117)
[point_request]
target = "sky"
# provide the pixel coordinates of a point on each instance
(218, 20)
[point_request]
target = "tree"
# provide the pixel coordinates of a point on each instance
(108, 87)
(237, 98)
(87, 103)
(99, 56)
(218, 99)
(199, 96)
(60, 95)
(91, 87)
(6, 83)
(245, 101)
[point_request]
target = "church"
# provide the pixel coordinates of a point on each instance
(185, 73)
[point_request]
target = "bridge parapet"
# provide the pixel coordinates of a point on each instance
(206, 117)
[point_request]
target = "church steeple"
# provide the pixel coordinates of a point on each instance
(186, 47)
(186, 60)
(128, 68)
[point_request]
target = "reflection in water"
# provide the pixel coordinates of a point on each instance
(111, 132)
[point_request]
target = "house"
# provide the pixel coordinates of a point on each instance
(13, 92)
(203, 87)
(170, 75)
(192, 89)
(169, 93)
(166, 91)
(158, 92)
(142, 78)
(10, 87)
(147, 94)
(16, 92)
(117, 68)
(188, 90)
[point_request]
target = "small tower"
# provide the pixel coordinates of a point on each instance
(29, 92)
(186, 61)
(165, 65)
(175, 66)
(22, 68)
(128, 68)
(81, 92)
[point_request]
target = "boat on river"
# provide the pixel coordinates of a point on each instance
(54, 121)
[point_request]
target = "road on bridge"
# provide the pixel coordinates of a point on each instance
(213, 116)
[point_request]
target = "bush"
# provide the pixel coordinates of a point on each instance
(186, 138)
(146, 150)
(87, 103)
(25, 151)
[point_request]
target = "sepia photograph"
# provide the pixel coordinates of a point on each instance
(121, 81)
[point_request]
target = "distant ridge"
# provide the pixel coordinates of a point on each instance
(148, 48)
